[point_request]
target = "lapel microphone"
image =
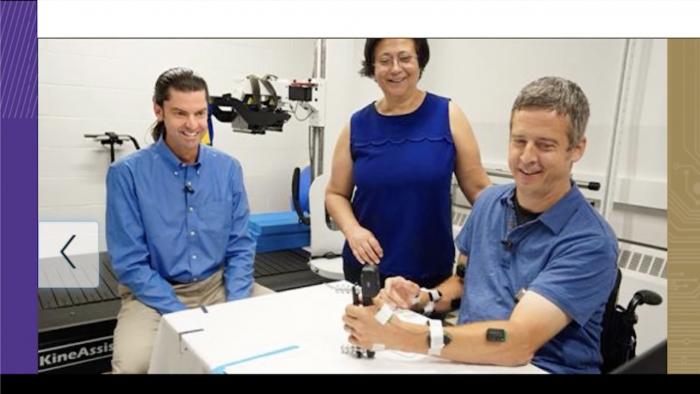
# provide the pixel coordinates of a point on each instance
(189, 189)
(507, 244)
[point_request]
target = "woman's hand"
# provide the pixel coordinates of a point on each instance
(364, 245)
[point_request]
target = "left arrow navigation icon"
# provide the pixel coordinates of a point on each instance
(64, 249)
(69, 255)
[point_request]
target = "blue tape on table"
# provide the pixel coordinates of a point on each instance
(222, 368)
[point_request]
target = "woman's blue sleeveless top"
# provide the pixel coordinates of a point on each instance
(402, 170)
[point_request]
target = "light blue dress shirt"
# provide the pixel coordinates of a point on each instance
(173, 222)
(567, 255)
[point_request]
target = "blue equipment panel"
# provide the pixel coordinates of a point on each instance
(279, 231)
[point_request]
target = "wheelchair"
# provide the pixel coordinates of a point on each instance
(619, 338)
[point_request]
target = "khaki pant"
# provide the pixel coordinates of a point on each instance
(137, 324)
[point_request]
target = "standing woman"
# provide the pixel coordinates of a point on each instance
(400, 153)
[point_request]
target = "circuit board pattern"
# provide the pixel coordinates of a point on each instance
(684, 206)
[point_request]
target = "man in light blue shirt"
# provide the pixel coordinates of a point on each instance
(541, 261)
(177, 222)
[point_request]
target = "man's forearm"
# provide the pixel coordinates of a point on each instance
(238, 277)
(407, 337)
(152, 290)
(468, 343)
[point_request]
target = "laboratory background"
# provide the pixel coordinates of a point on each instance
(89, 88)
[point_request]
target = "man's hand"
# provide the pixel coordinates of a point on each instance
(399, 291)
(364, 329)
(364, 245)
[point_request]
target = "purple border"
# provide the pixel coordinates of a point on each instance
(18, 187)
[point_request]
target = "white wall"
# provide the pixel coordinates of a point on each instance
(640, 210)
(92, 86)
(347, 90)
(484, 76)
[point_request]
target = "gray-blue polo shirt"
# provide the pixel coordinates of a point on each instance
(567, 255)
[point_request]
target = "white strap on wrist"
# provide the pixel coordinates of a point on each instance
(416, 299)
(437, 337)
(434, 296)
(429, 308)
(384, 314)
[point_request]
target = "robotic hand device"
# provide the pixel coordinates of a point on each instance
(370, 286)
(266, 104)
(261, 104)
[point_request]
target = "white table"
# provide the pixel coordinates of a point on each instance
(297, 331)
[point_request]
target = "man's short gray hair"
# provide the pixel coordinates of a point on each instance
(558, 94)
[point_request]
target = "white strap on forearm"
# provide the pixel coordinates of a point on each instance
(437, 337)
(384, 314)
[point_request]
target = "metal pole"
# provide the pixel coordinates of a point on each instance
(316, 149)
(611, 175)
